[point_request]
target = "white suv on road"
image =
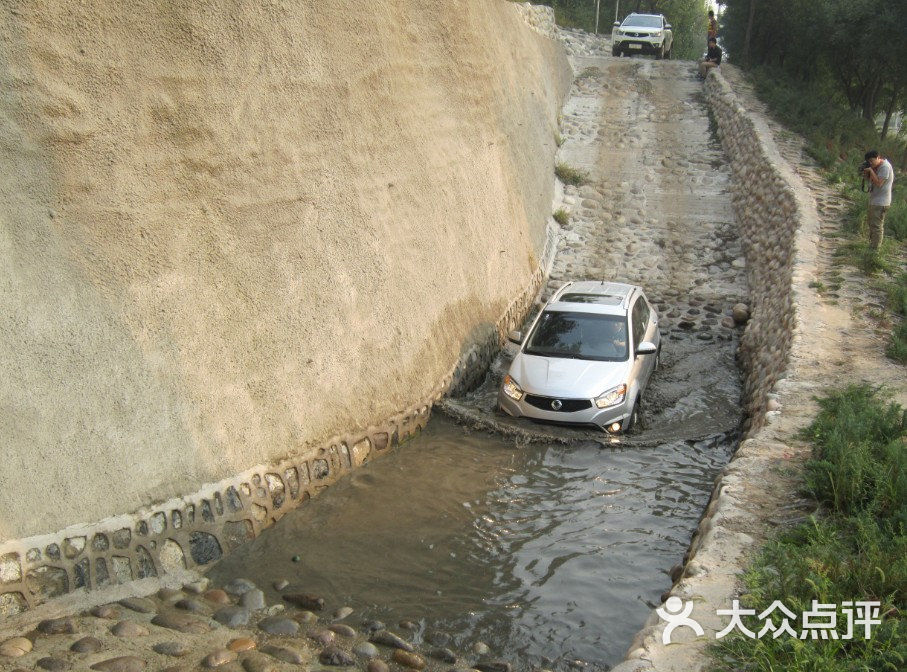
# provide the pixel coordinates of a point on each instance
(642, 34)
(587, 359)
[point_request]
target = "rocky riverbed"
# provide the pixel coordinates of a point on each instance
(231, 628)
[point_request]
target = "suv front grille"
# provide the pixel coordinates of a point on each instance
(567, 405)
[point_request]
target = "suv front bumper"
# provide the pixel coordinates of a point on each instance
(631, 46)
(601, 417)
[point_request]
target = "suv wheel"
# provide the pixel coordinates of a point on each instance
(661, 52)
(633, 422)
(615, 52)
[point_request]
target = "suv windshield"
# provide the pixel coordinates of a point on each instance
(642, 22)
(579, 336)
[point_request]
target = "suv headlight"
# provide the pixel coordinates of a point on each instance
(657, 33)
(511, 389)
(611, 397)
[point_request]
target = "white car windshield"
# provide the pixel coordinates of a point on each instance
(579, 336)
(642, 22)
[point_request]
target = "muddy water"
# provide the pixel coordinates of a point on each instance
(548, 553)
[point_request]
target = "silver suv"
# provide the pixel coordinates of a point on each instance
(587, 359)
(643, 34)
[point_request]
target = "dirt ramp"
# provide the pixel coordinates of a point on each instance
(231, 230)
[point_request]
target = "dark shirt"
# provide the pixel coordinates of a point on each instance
(714, 54)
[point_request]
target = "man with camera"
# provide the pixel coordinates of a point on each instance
(881, 176)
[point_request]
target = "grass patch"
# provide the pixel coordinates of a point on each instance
(570, 175)
(897, 348)
(558, 138)
(561, 216)
(857, 551)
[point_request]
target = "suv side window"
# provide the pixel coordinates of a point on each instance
(640, 319)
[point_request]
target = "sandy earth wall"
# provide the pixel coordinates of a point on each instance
(779, 227)
(245, 245)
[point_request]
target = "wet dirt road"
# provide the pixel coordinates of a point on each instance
(551, 545)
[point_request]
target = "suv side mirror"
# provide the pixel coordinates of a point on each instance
(667, 26)
(616, 24)
(515, 336)
(646, 348)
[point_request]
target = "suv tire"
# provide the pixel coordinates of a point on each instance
(615, 52)
(660, 54)
(634, 422)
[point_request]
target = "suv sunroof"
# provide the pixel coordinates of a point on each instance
(601, 299)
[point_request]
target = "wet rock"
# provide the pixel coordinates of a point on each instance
(342, 613)
(167, 594)
(258, 662)
(728, 322)
(373, 626)
(409, 625)
(192, 605)
(342, 629)
(323, 637)
(239, 586)
(480, 648)
(387, 638)
(15, 647)
(280, 585)
(334, 655)
(376, 666)
(232, 617)
(241, 644)
(409, 659)
(54, 664)
(217, 596)
(437, 638)
(87, 645)
(305, 601)
(107, 611)
(493, 666)
(128, 630)
(277, 625)
(197, 587)
(140, 604)
(366, 650)
(181, 623)
(741, 313)
(253, 599)
(120, 664)
(172, 649)
(304, 617)
(282, 653)
(444, 655)
(56, 626)
(219, 657)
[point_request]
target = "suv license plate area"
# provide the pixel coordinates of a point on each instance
(635, 46)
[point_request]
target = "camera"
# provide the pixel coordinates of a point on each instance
(863, 167)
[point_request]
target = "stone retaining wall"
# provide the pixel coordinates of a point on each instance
(779, 229)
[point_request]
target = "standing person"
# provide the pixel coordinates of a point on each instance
(712, 58)
(713, 27)
(881, 176)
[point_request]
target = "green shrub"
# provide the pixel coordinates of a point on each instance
(561, 216)
(569, 175)
(859, 459)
